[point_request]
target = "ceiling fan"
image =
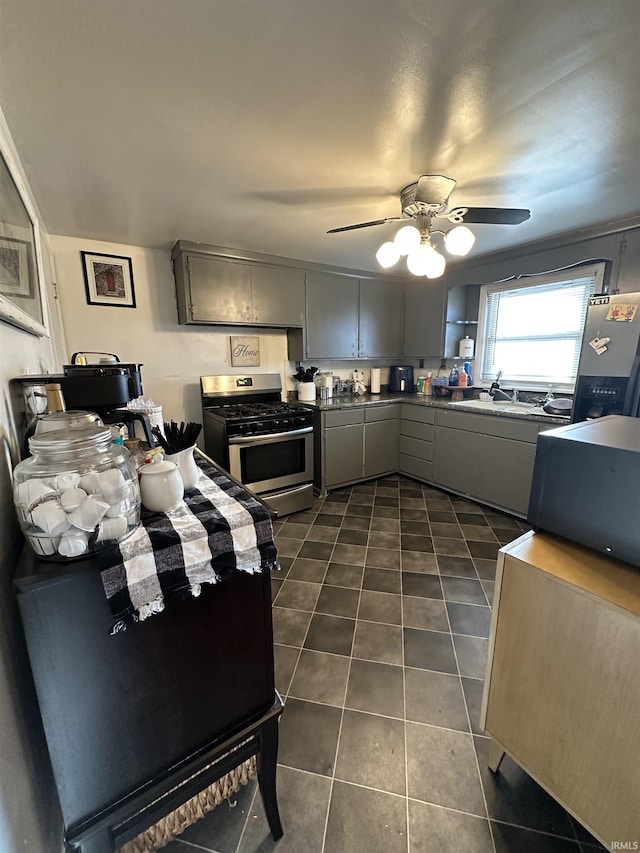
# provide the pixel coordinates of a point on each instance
(423, 201)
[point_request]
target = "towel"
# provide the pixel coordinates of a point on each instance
(218, 530)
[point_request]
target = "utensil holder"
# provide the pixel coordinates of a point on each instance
(187, 468)
(307, 391)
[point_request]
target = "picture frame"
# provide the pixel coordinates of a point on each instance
(108, 280)
(14, 268)
(22, 277)
(245, 350)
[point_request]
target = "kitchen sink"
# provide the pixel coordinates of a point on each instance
(506, 406)
(496, 406)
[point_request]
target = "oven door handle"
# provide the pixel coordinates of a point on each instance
(270, 437)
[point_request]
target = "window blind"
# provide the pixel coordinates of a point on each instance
(532, 331)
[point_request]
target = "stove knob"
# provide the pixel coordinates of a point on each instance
(277, 424)
(301, 421)
(259, 425)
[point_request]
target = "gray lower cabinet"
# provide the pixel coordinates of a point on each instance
(487, 458)
(331, 316)
(381, 440)
(424, 318)
(415, 454)
(357, 444)
(342, 447)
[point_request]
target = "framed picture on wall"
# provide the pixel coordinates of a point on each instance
(22, 301)
(14, 267)
(108, 280)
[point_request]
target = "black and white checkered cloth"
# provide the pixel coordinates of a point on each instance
(218, 530)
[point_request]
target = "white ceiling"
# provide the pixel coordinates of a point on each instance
(260, 124)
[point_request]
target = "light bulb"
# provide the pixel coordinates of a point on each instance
(407, 239)
(435, 266)
(459, 240)
(388, 254)
(419, 259)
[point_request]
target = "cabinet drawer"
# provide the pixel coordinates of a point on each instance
(416, 447)
(343, 417)
(415, 412)
(387, 412)
(415, 429)
(419, 468)
(501, 427)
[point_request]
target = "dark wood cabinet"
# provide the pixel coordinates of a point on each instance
(122, 711)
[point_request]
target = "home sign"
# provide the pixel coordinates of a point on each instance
(245, 350)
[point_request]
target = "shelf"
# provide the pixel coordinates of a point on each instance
(462, 322)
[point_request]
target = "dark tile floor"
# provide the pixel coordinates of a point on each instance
(381, 619)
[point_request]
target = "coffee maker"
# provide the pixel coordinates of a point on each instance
(104, 387)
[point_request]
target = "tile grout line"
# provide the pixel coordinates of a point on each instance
(475, 754)
(344, 700)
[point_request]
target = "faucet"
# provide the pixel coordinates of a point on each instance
(495, 392)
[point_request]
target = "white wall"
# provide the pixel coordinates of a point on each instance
(29, 819)
(173, 356)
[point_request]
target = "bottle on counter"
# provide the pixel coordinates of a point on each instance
(420, 385)
(465, 348)
(428, 384)
(467, 370)
(454, 376)
(462, 379)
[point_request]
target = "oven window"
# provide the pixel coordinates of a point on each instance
(270, 461)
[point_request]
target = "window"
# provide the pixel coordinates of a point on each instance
(531, 330)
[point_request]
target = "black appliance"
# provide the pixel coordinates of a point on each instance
(264, 443)
(401, 379)
(608, 380)
(586, 485)
(104, 387)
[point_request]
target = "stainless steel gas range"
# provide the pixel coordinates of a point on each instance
(264, 443)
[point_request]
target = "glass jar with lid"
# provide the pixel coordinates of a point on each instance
(77, 493)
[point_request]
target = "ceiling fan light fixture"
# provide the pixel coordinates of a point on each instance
(419, 260)
(388, 254)
(407, 239)
(459, 240)
(436, 265)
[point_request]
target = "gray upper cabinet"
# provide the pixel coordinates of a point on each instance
(423, 318)
(277, 296)
(332, 316)
(214, 289)
(381, 308)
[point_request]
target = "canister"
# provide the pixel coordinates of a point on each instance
(77, 493)
(465, 349)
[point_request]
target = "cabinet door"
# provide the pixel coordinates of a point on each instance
(343, 453)
(424, 318)
(277, 296)
(332, 316)
(381, 308)
(219, 290)
(455, 459)
(505, 472)
(380, 447)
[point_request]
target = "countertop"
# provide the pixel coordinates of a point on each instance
(350, 401)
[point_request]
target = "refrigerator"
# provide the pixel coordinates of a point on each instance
(608, 381)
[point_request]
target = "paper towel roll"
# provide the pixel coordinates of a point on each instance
(375, 380)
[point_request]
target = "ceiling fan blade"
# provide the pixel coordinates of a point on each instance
(489, 215)
(434, 189)
(366, 224)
